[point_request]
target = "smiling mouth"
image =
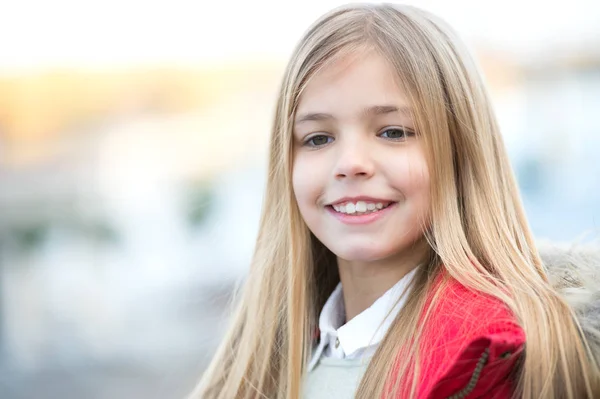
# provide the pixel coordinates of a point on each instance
(360, 207)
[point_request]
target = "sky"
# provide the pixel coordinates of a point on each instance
(38, 34)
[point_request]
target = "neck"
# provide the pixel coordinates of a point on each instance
(364, 282)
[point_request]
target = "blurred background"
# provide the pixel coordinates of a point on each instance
(133, 139)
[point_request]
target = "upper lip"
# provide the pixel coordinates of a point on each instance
(359, 198)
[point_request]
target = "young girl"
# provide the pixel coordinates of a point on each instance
(394, 259)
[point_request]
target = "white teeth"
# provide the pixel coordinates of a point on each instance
(361, 206)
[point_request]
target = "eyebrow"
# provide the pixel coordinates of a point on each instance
(369, 111)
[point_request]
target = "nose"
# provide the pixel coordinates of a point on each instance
(354, 160)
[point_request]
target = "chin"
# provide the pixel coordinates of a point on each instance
(361, 254)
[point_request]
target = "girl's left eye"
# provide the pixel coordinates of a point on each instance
(396, 133)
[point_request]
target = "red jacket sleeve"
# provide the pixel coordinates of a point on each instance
(485, 369)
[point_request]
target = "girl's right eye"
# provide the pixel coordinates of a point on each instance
(318, 141)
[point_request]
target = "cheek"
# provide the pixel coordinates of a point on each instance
(419, 180)
(302, 183)
(413, 181)
(411, 176)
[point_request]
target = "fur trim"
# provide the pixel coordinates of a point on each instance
(574, 271)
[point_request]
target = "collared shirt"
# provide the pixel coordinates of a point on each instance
(361, 335)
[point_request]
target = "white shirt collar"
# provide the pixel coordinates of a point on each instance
(365, 330)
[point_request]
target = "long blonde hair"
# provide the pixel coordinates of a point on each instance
(478, 231)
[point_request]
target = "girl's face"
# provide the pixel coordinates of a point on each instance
(359, 173)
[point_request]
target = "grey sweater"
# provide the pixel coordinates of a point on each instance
(334, 378)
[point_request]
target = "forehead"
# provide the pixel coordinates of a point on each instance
(352, 82)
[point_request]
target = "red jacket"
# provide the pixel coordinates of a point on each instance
(470, 346)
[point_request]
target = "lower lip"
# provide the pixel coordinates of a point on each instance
(360, 219)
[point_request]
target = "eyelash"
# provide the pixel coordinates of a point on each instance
(407, 133)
